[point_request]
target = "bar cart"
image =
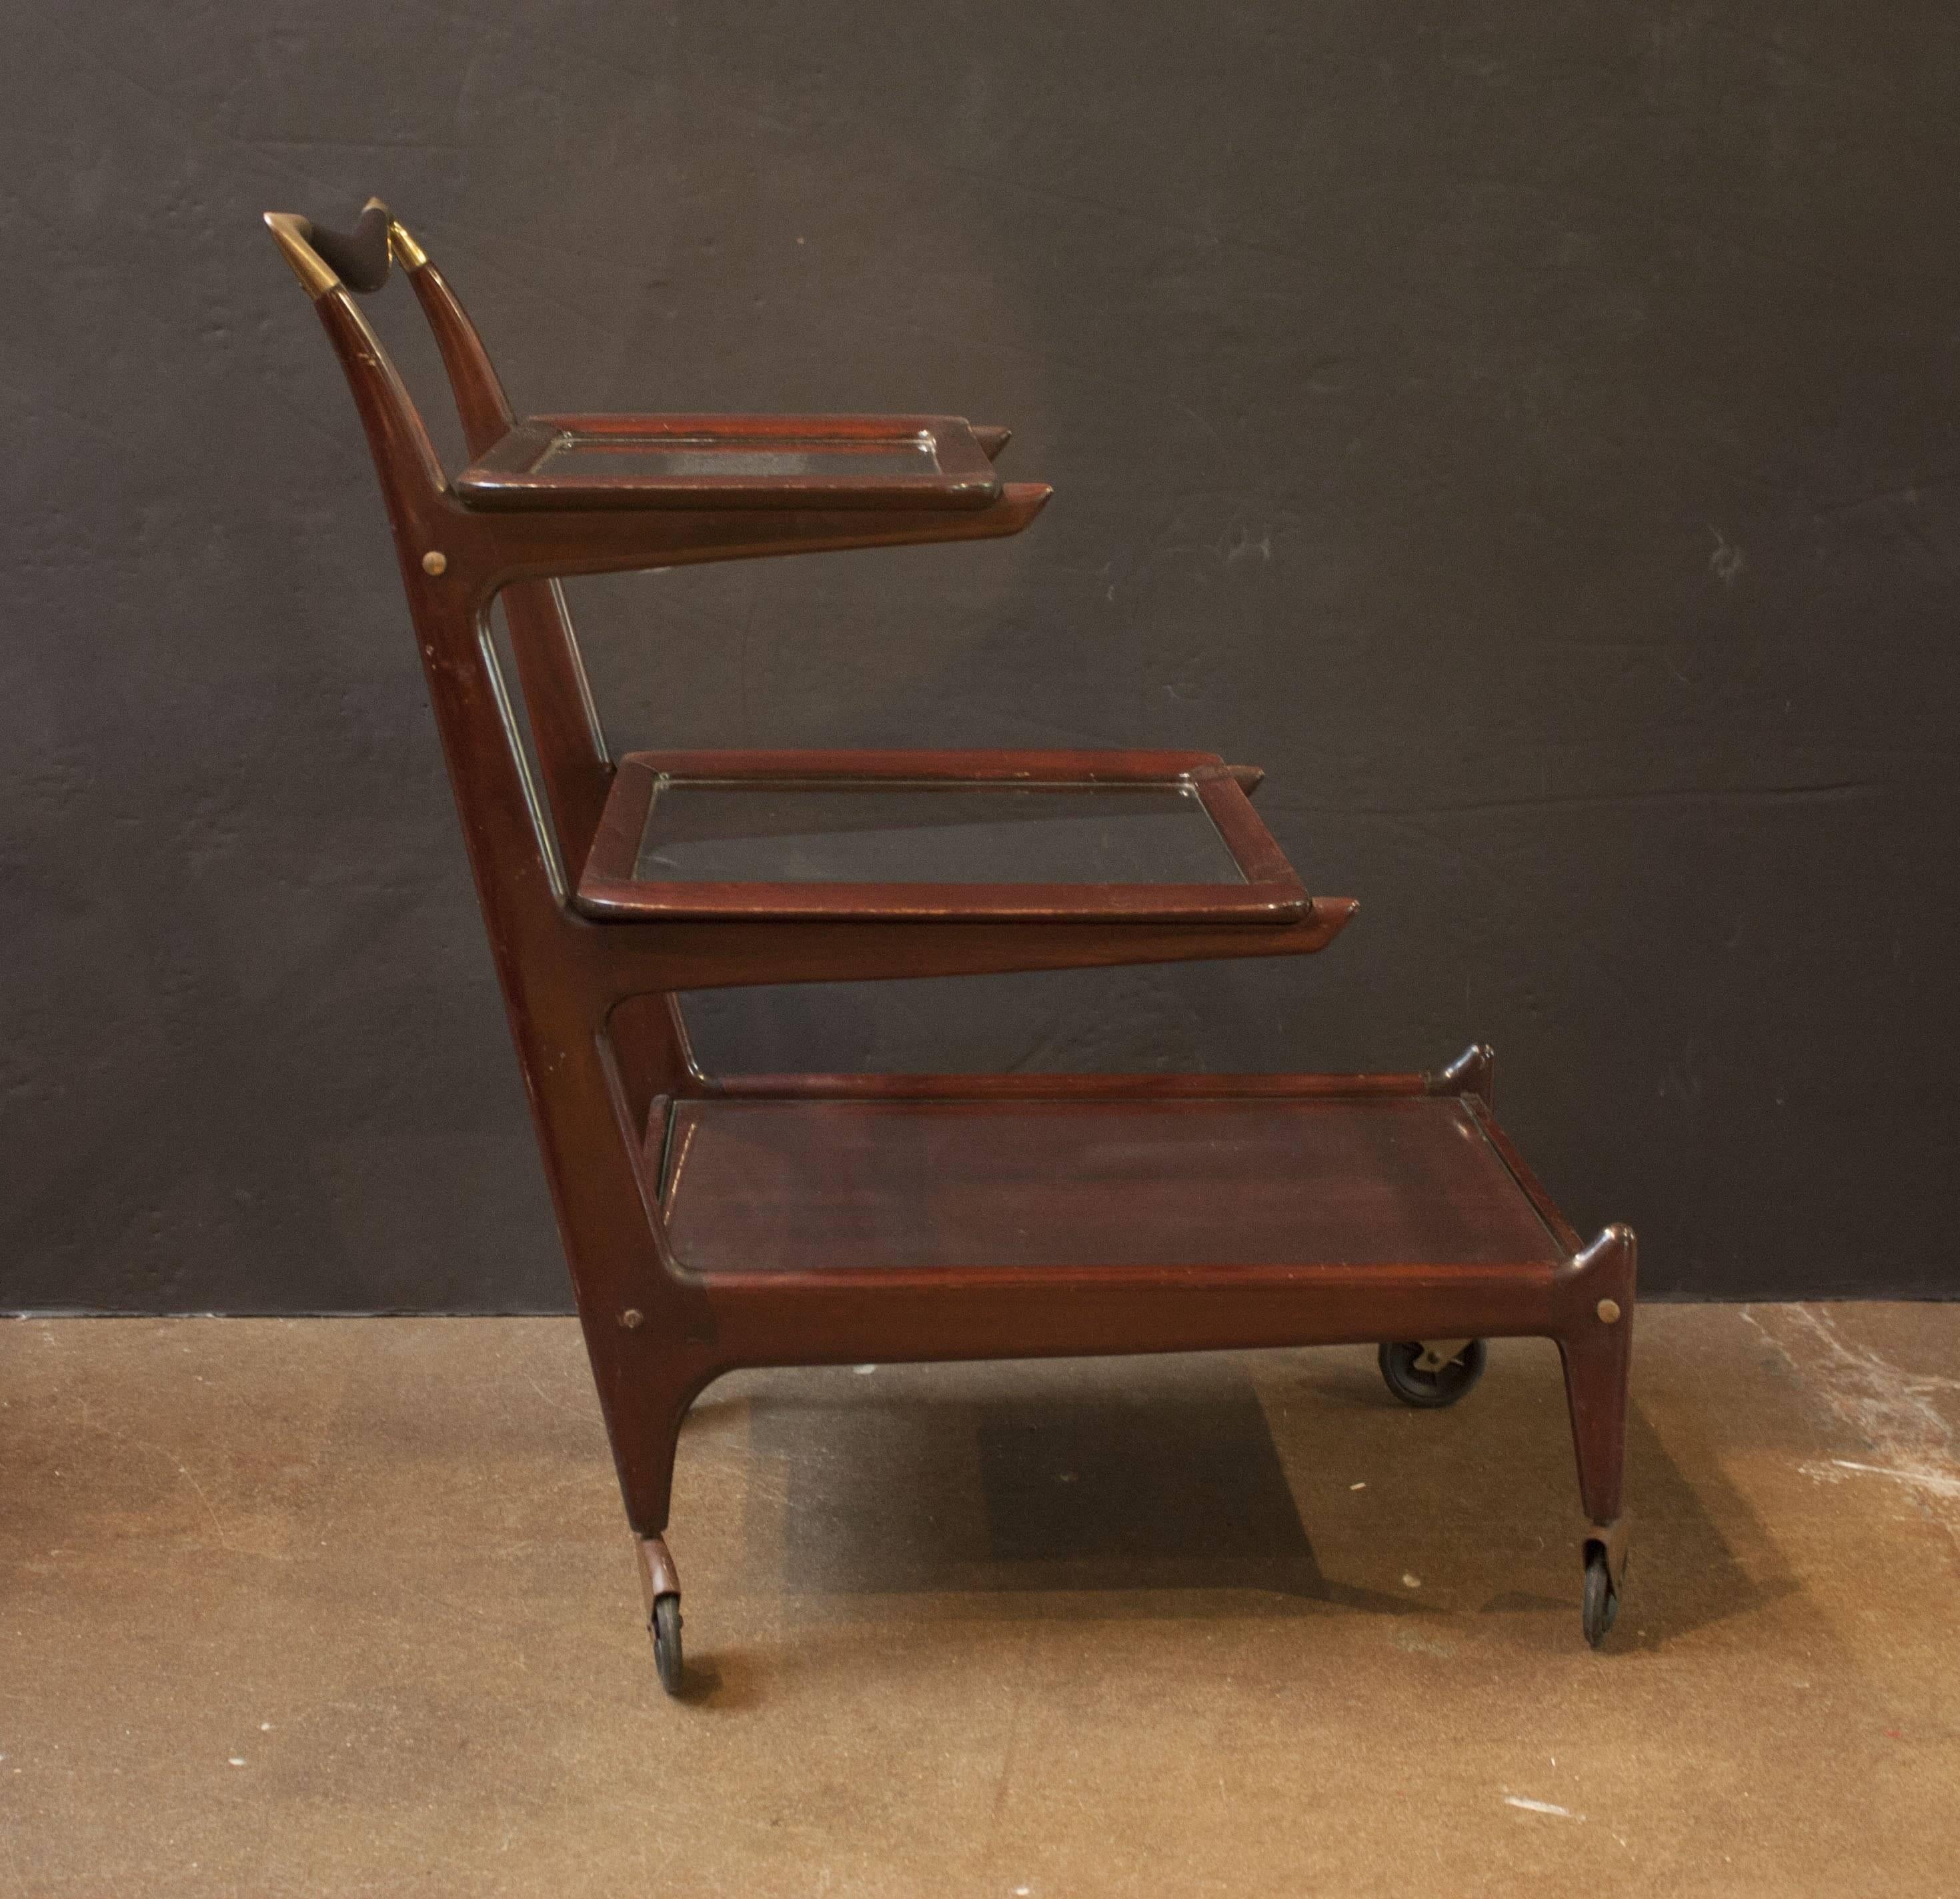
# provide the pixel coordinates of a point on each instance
(717, 1222)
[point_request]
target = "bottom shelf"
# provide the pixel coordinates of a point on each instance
(801, 1185)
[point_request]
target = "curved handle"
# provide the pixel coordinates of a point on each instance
(322, 259)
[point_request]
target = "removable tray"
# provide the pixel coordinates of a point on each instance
(1001, 836)
(826, 1186)
(734, 461)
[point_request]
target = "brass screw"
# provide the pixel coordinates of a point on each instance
(434, 562)
(632, 1318)
(1609, 1312)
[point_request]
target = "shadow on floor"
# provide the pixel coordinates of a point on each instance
(1129, 1479)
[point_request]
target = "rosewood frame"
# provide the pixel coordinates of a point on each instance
(593, 1008)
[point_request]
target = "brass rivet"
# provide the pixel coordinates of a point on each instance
(1609, 1312)
(434, 562)
(632, 1318)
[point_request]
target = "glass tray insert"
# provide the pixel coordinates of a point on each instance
(691, 458)
(757, 831)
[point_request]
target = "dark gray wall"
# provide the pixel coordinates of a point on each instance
(1528, 430)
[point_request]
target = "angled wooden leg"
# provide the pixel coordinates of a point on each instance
(1597, 1301)
(647, 1336)
(645, 1431)
(645, 1426)
(1596, 1312)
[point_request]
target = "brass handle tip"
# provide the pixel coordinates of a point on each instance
(408, 253)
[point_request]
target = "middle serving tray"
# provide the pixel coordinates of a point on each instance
(962, 836)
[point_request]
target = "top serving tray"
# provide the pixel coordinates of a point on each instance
(738, 461)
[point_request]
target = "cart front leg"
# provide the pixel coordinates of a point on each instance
(1596, 1313)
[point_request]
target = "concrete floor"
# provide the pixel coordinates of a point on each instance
(331, 1607)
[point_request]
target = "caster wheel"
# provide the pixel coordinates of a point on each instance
(667, 1641)
(1429, 1387)
(1602, 1604)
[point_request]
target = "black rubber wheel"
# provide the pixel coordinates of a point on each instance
(667, 1641)
(1602, 1605)
(1430, 1391)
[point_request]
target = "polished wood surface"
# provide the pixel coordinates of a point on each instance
(762, 1185)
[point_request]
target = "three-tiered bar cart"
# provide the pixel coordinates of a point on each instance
(713, 1222)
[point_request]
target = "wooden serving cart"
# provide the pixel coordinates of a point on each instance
(717, 1222)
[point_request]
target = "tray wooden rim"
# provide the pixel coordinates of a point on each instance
(1271, 892)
